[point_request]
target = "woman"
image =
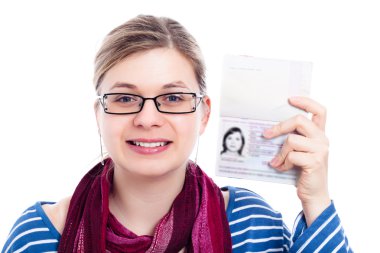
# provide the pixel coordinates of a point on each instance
(233, 142)
(147, 196)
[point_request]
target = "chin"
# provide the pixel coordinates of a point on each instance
(152, 168)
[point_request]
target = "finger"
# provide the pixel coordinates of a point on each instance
(288, 164)
(309, 105)
(294, 142)
(296, 159)
(297, 123)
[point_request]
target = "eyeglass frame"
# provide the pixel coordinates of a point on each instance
(195, 95)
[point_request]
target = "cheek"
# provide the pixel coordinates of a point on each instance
(112, 129)
(187, 129)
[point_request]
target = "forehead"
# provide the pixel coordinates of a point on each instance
(235, 134)
(150, 71)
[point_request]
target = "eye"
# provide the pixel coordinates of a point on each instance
(126, 99)
(174, 98)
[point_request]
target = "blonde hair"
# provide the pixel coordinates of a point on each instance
(146, 32)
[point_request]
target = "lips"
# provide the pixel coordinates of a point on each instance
(149, 146)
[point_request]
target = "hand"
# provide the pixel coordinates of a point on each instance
(306, 148)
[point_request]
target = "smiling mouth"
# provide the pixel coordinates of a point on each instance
(149, 144)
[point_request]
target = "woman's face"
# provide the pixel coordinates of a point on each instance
(234, 142)
(134, 141)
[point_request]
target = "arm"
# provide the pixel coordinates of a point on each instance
(306, 149)
(324, 235)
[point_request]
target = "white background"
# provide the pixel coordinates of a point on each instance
(48, 135)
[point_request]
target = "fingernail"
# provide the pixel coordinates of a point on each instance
(274, 161)
(268, 133)
(294, 99)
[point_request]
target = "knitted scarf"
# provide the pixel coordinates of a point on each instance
(196, 221)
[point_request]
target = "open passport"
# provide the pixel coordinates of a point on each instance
(254, 97)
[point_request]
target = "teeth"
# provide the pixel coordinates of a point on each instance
(149, 144)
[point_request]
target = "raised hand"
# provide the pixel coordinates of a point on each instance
(306, 149)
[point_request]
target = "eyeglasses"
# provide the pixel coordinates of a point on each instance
(174, 103)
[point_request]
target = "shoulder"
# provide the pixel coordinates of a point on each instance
(32, 232)
(247, 208)
(57, 213)
(240, 199)
(253, 222)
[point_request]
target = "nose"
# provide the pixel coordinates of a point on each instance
(149, 116)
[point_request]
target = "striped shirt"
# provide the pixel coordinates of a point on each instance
(254, 226)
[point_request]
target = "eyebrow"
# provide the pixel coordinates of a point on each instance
(176, 84)
(124, 85)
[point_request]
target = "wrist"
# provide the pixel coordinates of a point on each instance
(314, 207)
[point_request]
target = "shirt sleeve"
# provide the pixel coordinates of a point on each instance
(325, 234)
(32, 232)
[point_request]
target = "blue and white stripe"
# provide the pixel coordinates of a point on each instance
(32, 232)
(254, 225)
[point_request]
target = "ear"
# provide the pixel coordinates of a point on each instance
(206, 110)
(97, 110)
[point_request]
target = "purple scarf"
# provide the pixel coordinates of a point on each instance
(196, 221)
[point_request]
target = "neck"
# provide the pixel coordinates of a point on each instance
(139, 202)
